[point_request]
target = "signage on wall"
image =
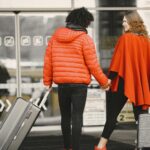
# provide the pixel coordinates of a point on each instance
(3, 105)
(126, 115)
(47, 39)
(9, 41)
(38, 41)
(25, 40)
(95, 109)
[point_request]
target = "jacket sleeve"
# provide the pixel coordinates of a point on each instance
(47, 69)
(91, 61)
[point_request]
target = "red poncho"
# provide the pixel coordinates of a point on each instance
(131, 61)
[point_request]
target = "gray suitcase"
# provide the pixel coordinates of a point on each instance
(144, 131)
(19, 122)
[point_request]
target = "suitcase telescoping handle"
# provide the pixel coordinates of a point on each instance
(45, 98)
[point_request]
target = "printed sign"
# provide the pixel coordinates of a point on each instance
(25, 41)
(126, 115)
(9, 41)
(47, 39)
(7, 105)
(3, 105)
(95, 109)
(38, 41)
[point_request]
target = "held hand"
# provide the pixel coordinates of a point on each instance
(107, 86)
(47, 87)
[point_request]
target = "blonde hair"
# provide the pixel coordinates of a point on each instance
(136, 23)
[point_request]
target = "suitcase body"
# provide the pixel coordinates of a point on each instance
(144, 131)
(18, 123)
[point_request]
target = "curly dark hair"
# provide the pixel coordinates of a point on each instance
(80, 16)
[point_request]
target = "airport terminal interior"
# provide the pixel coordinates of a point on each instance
(25, 29)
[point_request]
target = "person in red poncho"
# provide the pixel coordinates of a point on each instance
(129, 72)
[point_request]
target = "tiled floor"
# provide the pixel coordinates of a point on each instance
(126, 142)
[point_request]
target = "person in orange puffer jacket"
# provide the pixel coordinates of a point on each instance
(70, 60)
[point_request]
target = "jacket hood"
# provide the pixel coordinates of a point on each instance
(67, 35)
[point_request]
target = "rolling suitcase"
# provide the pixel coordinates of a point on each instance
(19, 122)
(144, 131)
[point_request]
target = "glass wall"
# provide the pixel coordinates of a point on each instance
(7, 58)
(34, 40)
(36, 25)
(110, 28)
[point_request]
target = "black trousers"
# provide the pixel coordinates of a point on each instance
(72, 98)
(115, 103)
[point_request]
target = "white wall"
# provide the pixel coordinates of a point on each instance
(35, 3)
(143, 3)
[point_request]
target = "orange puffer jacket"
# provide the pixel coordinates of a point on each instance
(71, 58)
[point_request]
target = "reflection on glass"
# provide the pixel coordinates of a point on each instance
(50, 116)
(4, 77)
(33, 42)
(35, 32)
(7, 36)
(36, 29)
(110, 28)
(7, 59)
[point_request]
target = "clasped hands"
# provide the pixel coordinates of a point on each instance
(107, 86)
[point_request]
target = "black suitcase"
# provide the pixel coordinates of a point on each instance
(144, 131)
(19, 122)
